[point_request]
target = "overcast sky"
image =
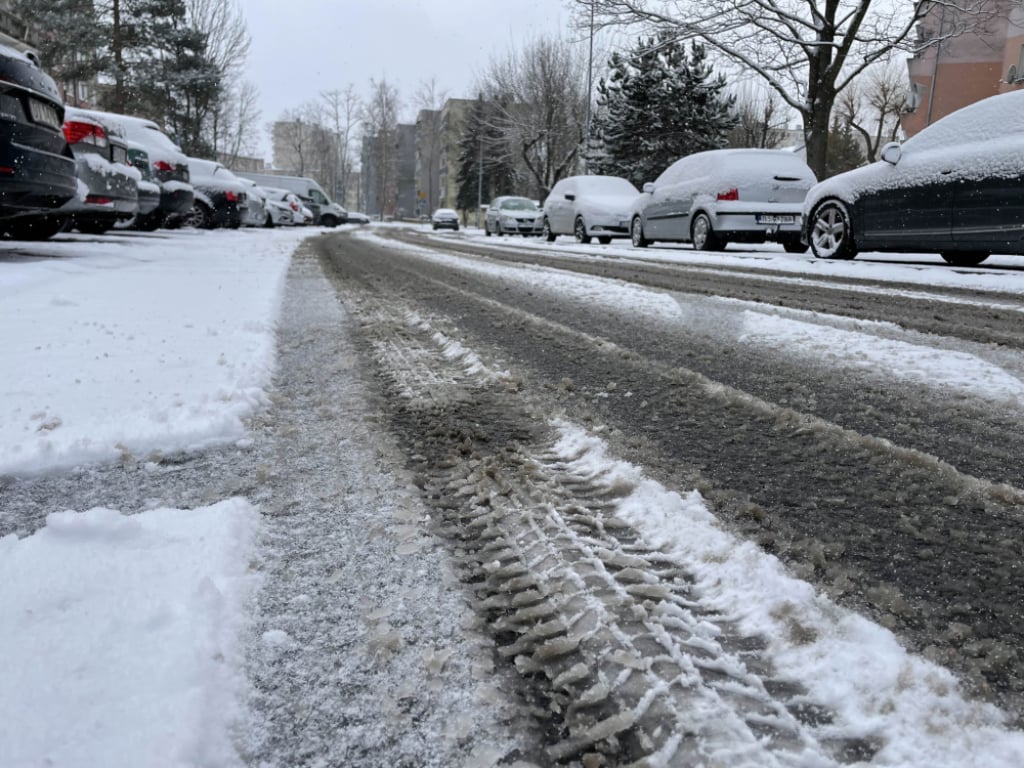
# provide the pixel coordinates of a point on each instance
(303, 47)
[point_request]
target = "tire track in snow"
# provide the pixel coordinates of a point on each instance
(622, 658)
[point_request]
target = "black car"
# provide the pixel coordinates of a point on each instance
(221, 200)
(956, 188)
(37, 170)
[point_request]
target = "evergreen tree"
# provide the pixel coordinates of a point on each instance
(657, 105)
(169, 76)
(485, 167)
(844, 150)
(72, 36)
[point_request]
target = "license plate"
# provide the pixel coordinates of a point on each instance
(43, 113)
(771, 218)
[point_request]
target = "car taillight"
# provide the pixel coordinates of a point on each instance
(294, 206)
(76, 132)
(232, 197)
(162, 165)
(98, 200)
(732, 194)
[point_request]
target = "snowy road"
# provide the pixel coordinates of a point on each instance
(873, 453)
(520, 505)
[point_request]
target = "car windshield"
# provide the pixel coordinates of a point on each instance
(519, 204)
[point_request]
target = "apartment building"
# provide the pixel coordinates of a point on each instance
(972, 61)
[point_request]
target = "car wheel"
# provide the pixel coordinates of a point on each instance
(329, 221)
(703, 236)
(269, 221)
(456, 227)
(636, 233)
(579, 231)
(498, 230)
(831, 234)
(604, 239)
(487, 229)
(794, 246)
(148, 223)
(42, 228)
(200, 217)
(545, 231)
(964, 258)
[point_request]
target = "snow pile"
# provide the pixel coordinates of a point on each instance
(137, 345)
(120, 637)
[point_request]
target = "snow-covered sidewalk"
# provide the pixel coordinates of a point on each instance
(122, 627)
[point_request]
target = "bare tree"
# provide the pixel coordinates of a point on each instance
(540, 92)
(872, 106)
(342, 114)
(762, 119)
(807, 51)
(380, 136)
(234, 123)
(223, 25)
(429, 137)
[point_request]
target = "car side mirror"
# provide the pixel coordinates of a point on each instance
(569, 196)
(649, 187)
(891, 153)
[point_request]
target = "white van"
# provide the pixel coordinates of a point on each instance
(325, 212)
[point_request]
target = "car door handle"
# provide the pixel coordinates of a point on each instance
(946, 173)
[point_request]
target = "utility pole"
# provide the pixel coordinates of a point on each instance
(479, 179)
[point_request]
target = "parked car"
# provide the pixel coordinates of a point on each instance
(725, 195)
(221, 199)
(511, 215)
(589, 206)
(148, 189)
(357, 217)
(109, 185)
(168, 165)
(445, 218)
(39, 168)
(325, 212)
(257, 215)
(956, 188)
(282, 207)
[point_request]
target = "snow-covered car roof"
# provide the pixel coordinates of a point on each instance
(981, 140)
(749, 162)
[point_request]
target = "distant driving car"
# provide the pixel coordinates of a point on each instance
(511, 215)
(589, 206)
(39, 169)
(956, 188)
(725, 195)
(109, 184)
(445, 218)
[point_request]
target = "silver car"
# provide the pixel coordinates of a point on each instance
(725, 195)
(589, 206)
(108, 185)
(511, 215)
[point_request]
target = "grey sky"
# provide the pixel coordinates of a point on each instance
(304, 47)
